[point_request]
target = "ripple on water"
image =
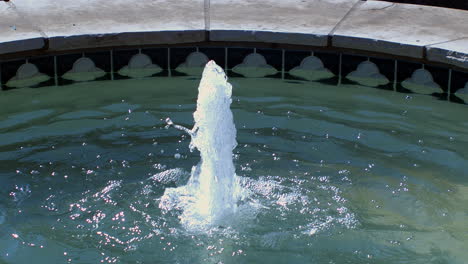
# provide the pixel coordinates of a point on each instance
(2, 215)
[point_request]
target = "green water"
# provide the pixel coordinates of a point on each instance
(337, 175)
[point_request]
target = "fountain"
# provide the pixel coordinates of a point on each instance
(213, 189)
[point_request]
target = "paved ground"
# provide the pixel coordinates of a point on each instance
(433, 33)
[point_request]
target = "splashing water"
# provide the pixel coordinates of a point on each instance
(213, 189)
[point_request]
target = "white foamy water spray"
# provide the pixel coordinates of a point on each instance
(213, 189)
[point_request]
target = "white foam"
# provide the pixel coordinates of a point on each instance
(213, 189)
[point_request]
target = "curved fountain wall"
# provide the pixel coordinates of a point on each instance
(399, 47)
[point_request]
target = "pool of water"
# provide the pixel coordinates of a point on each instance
(343, 174)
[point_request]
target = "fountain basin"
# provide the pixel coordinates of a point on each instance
(335, 173)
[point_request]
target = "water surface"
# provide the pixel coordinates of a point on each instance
(337, 175)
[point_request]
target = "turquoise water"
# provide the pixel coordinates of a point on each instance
(336, 174)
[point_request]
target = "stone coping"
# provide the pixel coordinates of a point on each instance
(425, 33)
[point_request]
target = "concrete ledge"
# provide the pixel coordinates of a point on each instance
(75, 24)
(286, 21)
(268, 37)
(17, 34)
(21, 45)
(378, 46)
(125, 39)
(428, 34)
(399, 29)
(452, 52)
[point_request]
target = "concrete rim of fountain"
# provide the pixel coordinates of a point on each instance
(421, 33)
